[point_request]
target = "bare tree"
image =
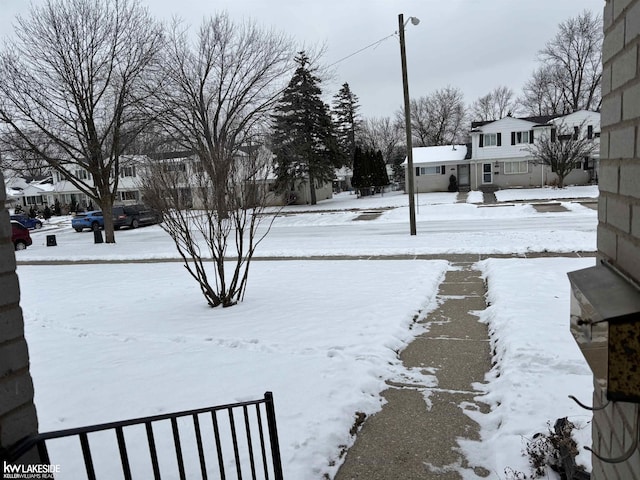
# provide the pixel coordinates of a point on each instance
(495, 105)
(438, 118)
(74, 76)
(18, 157)
(574, 56)
(215, 103)
(542, 94)
(381, 134)
(563, 149)
(182, 190)
(386, 135)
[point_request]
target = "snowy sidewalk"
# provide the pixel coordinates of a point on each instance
(415, 434)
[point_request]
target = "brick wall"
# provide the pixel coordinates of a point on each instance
(17, 411)
(619, 209)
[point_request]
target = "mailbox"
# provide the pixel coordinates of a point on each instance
(605, 322)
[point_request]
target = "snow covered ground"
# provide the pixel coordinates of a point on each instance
(119, 340)
(332, 228)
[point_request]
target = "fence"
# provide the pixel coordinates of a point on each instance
(232, 443)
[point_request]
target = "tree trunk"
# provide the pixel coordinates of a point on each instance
(312, 190)
(107, 214)
(560, 181)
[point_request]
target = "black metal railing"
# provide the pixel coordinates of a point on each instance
(218, 446)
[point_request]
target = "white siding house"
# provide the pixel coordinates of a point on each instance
(501, 156)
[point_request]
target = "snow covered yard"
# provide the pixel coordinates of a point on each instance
(111, 342)
(537, 365)
(116, 341)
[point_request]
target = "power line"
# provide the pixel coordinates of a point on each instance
(374, 44)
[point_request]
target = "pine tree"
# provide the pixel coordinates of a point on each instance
(345, 113)
(381, 176)
(369, 170)
(305, 145)
(356, 178)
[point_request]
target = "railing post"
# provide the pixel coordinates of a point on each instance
(273, 436)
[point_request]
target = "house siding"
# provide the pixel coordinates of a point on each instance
(437, 182)
(503, 126)
(509, 151)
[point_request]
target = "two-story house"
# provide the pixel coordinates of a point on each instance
(501, 150)
(134, 167)
(131, 167)
(499, 155)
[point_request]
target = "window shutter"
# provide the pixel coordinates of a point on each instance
(481, 140)
(499, 140)
(513, 138)
(531, 136)
(443, 170)
(417, 171)
(575, 133)
(553, 135)
(589, 132)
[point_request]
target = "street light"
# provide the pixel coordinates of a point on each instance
(407, 120)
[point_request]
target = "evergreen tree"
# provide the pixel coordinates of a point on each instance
(305, 145)
(381, 176)
(369, 170)
(345, 113)
(357, 177)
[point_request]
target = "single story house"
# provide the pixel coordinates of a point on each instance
(434, 166)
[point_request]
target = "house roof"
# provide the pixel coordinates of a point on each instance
(439, 154)
(538, 120)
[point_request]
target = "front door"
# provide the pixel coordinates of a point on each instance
(463, 175)
(487, 173)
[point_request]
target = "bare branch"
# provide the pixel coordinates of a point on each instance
(73, 78)
(214, 102)
(563, 149)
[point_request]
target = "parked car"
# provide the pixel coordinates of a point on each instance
(92, 220)
(27, 221)
(20, 235)
(134, 216)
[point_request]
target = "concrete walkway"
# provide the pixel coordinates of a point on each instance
(415, 434)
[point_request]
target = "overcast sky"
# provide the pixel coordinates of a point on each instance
(475, 45)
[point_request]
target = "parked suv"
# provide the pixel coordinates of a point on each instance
(134, 216)
(27, 221)
(20, 235)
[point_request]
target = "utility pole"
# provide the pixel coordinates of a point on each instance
(407, 120)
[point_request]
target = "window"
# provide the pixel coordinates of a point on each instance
(437, 170)
(511, 168)
(518, 138)
(129, 171)
(490, 140)
(129, 195)
(174, 167)
(36, 200)
(82, 174)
